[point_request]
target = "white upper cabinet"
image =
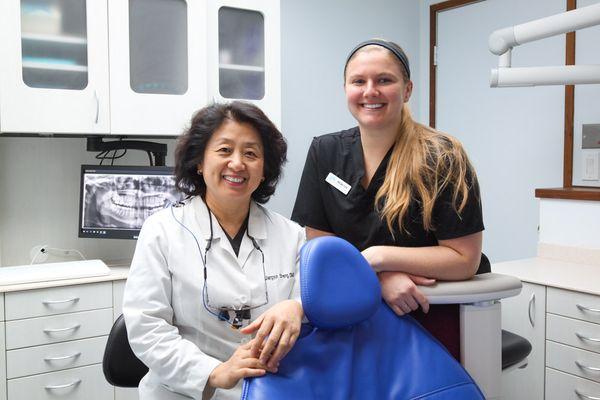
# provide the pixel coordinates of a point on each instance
(165, 59)
(54, 69)
(244, 53)
(157, 64)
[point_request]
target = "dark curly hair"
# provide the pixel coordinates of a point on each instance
(191, 145)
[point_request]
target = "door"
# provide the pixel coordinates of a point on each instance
(157, 65)
(244, 53)
(54, 70)
(525, 315)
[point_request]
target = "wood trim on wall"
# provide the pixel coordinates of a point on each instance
(434, 9)
(569, 107)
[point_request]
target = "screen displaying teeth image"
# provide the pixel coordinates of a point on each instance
(125, 201)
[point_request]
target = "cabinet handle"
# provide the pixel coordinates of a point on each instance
(97, 106)
(66, 385)
(50, 302)
(71, 328)
(585, 396)
(589, 339)
(584, 308)
(75, 355)
(530, 310)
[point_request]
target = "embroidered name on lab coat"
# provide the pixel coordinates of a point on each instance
(279, 276)
(338, 183)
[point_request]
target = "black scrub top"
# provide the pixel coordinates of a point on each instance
(353, 217)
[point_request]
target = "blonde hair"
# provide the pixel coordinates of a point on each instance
(424, 162)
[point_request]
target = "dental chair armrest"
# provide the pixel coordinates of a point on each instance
(480, 288)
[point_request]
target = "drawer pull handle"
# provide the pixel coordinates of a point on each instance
(593, 369)
(50, 302)
(584, 308)
(589, 339)
(75, 355)
(71, 328)
(531, 310)
(585, 396)
(66, 385)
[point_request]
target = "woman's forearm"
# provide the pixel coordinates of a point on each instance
(455, 259)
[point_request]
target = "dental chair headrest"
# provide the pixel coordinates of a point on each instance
(337, 284)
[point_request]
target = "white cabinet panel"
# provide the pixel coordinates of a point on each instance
(57, 328)
(2, 362)
(524, 315)
(118, 290)
(54, 357)
(148, 94)
(581, 334)
(583, 363)
(574, 304)
(85, 383)
(126, 393)
(561, 386)
(50, 107)
(59, 300)
(244, 53)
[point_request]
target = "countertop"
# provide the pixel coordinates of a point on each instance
(117, 272)
(579, 277)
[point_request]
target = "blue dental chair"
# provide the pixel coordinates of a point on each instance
(355, 347)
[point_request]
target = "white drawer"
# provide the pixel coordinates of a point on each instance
(58, 300)
(1, 306)
(574, 304)
(562, 386)
(85, 383)
(583, 363)
(118, 291)
(573, 332)
(57, 328)
(54, 357)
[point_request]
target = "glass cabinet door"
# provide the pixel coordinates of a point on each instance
(241, 54)
(158, 46)
(54, 67)
(54, 44)
(244, 53)
(157, 65)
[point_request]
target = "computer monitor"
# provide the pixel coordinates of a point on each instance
(116, 200)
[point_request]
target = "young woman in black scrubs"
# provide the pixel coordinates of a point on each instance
(404, 194)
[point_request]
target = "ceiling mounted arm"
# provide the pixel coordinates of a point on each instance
(502, 41)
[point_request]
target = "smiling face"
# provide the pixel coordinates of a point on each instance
(233, 165)
(375, 89)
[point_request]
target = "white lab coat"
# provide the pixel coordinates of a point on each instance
(169, 328)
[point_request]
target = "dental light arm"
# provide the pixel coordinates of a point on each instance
(502, 41)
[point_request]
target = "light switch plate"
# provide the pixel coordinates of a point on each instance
(590, 166)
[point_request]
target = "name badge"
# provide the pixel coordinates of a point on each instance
(338, 183)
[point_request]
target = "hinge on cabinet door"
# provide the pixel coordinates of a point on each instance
(435, 56)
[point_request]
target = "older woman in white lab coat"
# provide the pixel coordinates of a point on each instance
(217, 261)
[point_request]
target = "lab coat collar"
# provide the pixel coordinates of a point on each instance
(256, 221)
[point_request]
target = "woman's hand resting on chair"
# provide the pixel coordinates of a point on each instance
(277, 330)
(400, 292)
(242, 364)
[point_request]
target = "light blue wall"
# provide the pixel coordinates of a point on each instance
(514, 136)
(316, 37)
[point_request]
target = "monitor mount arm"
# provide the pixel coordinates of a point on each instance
(502, 41)
(158, 150)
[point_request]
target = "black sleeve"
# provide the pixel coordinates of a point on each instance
(309, 209)
(451, 224)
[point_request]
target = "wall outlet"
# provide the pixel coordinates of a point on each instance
(590, 166)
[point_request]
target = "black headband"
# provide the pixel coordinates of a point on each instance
(391, 46)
